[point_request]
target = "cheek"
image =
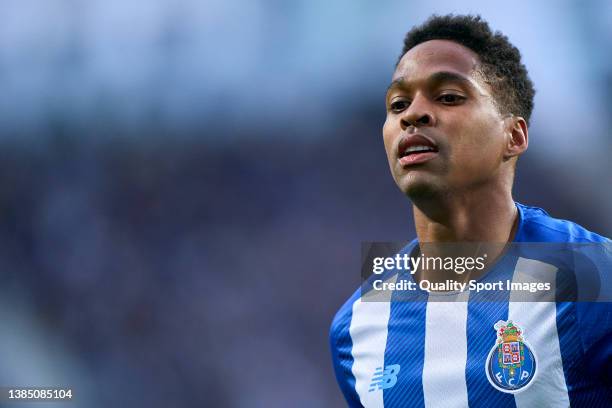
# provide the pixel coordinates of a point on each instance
(483, 139)
(479, 148)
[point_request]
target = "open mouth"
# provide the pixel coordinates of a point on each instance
(416, 149)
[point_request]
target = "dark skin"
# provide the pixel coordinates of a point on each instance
(463, 191)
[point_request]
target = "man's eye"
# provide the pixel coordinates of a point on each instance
(399, 106)
(451, 99)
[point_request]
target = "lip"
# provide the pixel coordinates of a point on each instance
(415, 139)
(417, 158)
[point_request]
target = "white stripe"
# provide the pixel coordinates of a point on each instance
(539, 323)
(368, 331)
(445, 354)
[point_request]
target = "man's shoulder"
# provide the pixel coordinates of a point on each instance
(342, 320)
(538, 226)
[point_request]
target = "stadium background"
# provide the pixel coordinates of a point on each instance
(184, 185)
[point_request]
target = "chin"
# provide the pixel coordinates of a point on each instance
(421, 191)
(417, 187)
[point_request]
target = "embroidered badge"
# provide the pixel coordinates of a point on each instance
(512, 364)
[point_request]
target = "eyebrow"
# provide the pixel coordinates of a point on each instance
(436, 77)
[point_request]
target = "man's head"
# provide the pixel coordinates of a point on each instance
(461, 91)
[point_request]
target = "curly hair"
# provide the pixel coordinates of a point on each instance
(500, 61)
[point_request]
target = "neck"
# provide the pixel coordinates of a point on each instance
(481, 215)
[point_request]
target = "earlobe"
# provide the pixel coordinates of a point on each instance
(518, 137)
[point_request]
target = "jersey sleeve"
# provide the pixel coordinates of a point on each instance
(341, 350)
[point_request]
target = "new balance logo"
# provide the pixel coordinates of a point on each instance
(384, 379)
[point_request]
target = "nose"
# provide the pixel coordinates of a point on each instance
(418, 113)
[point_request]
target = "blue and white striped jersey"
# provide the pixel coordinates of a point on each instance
(450, 354)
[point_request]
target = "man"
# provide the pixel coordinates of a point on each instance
(458, 109)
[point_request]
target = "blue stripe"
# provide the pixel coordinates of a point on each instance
(584, 383)
(406, 347)
(570, 351)
(341, 349)
(483, 313)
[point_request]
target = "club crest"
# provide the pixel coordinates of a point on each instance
(511, 365)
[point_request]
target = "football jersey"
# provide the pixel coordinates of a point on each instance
(480, 353)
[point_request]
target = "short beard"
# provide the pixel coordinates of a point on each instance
(429, 199)
(424, 192)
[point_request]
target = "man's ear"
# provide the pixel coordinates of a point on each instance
(517, 139)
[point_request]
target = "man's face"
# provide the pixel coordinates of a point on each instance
(443, 132)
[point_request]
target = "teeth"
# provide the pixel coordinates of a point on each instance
(418, 149)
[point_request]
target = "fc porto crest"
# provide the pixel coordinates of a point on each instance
(512, 364)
